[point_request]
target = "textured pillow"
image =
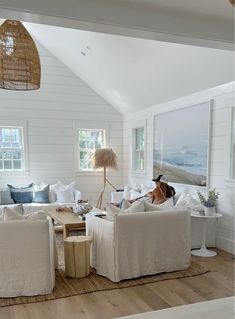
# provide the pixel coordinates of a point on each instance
(113, 211)
(41, 194)
(65, 193)
(21, 195)
(149, 207)
(189, 201)
(5, 197)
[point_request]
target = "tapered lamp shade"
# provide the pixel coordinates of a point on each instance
(20, 67)
(105, 157)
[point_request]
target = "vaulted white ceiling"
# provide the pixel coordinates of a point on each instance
(131, 73)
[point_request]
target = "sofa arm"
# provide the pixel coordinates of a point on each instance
(77, 196)
(103, 246)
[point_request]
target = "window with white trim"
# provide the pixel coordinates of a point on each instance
(139, 150)
(232, 168)
(11, 148)
(88, 141)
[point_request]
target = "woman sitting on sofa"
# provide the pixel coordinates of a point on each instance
(162, 191)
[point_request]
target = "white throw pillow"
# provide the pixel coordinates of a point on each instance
(189, 201)
(135, 194)
(149, 207)
(168, 204)
(52, 193)
(65, 193)
(113, 211)
(127, 192)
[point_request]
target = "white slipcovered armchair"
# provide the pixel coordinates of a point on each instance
(138, 244)
(27, 264)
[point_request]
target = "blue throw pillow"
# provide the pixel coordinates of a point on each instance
(21, 195)
(41, 194)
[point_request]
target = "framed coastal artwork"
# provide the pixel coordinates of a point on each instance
(182, 144)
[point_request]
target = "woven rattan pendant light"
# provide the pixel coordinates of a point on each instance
(20, 67)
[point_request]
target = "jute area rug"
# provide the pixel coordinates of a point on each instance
(66, 287)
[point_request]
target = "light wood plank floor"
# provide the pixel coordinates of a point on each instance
(218, 283)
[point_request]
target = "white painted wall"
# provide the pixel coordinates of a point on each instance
(51, 112)
(220, 154)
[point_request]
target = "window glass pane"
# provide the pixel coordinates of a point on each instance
(89, 141)
(7, 165)
(16, 154)
(139, 149)
(1, 165)
(17, 164)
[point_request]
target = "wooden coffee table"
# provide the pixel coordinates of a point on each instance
(68, 220)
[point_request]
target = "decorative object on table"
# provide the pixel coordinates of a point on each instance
(77, 256)
(82, 209)
(20, 67)
(209, 202)
(181, 144)
(105, 158)
(203, 251)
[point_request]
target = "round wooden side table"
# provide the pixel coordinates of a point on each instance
(77, 256)
(203, 251)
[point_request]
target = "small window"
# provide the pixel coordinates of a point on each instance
(139, 163)
(11, 149)
(88, 141)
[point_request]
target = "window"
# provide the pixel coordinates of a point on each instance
(11, 149)
(139, 154)
(232, 169)
(88, 141)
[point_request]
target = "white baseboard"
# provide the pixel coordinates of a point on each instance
(225, 244)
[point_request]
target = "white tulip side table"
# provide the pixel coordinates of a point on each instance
(203, 251)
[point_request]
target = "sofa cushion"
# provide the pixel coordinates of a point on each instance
(112, 211)
(5, 197)
(149, 207)
(189, 201)
(18, 208)
(41, 194)
(21, 195)
(11, 214)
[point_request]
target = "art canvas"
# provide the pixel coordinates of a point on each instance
(181, 145)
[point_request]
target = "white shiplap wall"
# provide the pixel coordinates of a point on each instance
(223, 101)
(51, 113)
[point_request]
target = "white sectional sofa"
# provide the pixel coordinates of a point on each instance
(196, 223)
(27, 258)
(138, 244)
